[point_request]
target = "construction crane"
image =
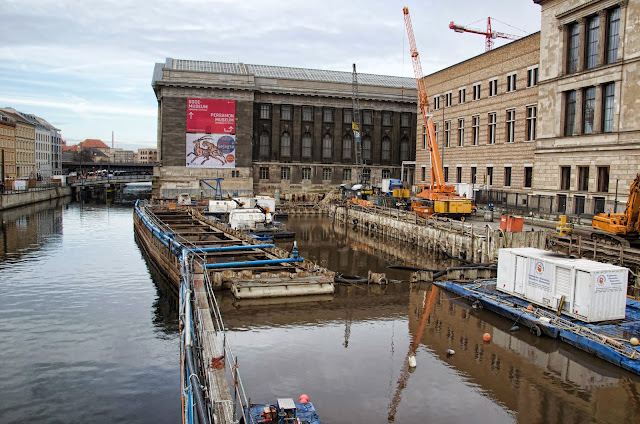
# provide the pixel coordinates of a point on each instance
(439, 197)
(489, 33)
(355, 126)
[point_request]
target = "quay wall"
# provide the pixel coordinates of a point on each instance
(473, 242)
(14, 200)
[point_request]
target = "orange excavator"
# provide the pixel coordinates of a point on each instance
(439, 197)
(623, 228)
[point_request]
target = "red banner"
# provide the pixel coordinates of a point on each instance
(211, 116)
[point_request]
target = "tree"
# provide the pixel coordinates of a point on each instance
(83, 156)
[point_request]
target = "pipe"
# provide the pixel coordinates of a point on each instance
(231, 248)
(203, 416)
(250, 263)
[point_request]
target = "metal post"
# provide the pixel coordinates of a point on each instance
(615, 202)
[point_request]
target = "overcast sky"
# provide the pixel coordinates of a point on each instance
(86, 66)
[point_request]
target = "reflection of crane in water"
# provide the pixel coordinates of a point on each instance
(347, 327)
(415, 341)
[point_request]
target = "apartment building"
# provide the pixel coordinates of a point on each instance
(7, 149)
(485, 111)
(25, 144)
(148, 155)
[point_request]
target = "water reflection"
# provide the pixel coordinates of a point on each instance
(28, 228)
(349, 352)
(89, 337)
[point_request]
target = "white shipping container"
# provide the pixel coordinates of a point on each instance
(592, 291)
(269, 203)
(221, 206)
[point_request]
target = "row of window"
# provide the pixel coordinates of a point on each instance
(10, 169)
(587, 47)
(286, 114)
(7, 142)
(532, 81)
(589, 111)
(488, 177)
(492, 118)
(285, 173)
(9, 156)
(7, 131)
(327, 146)
(582, 182)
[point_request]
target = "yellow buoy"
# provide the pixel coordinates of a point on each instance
(634, 341)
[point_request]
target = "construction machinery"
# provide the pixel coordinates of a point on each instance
(438, 197)
(623, 228)
(489, 34)
(564, 228)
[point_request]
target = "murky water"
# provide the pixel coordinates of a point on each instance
(89, 335)
(349, 352)
(86, 334)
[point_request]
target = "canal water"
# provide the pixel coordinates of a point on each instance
(89, 334)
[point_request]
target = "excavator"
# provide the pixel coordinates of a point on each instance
(623, 228)
(437, 197)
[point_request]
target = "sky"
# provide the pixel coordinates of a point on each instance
(86, 66)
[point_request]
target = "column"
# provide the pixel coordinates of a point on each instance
(597, 113)
(582, 39)
(579, 122)
(602, 31)
(564, 48)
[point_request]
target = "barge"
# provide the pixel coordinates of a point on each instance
(230, 258)
(608, 340)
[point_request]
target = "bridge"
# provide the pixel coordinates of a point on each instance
(128, 167)
(113, 179)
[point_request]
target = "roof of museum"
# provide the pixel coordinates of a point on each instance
(267, 71)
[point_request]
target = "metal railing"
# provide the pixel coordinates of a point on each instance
(41, 186)
(230, 360)
(575, 205)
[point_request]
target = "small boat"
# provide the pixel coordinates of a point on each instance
(285, 411)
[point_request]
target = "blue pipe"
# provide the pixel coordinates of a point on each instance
(231, 248)
(248, 263)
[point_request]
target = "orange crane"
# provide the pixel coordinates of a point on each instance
(439, 197)
(489, 33)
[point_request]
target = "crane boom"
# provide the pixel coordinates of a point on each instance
(489, 33)
(437, 174)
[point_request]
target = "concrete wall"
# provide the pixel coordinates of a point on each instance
(476, 243)
(8, 201)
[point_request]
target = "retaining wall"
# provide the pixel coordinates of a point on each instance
(13, 200)
(473, 242)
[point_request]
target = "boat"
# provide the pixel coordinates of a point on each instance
(284, 411)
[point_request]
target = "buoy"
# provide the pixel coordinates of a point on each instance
(514, 328)
(412, 361)
(486, 337)
(303, 398)
(530, 307)
(450, 352)
(634, 341)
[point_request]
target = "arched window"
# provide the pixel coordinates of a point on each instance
(306, 145)
(386, 148)
(347, 141)
(404, 149)
(326, 146)
(264, 144)
(366, 148)
(285, 145)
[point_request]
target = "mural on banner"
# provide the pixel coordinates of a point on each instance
(211, 150)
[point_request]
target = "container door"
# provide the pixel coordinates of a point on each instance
(521, 273)
(563, 287)
(582, 293)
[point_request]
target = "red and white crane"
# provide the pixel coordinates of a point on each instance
(489, 33)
